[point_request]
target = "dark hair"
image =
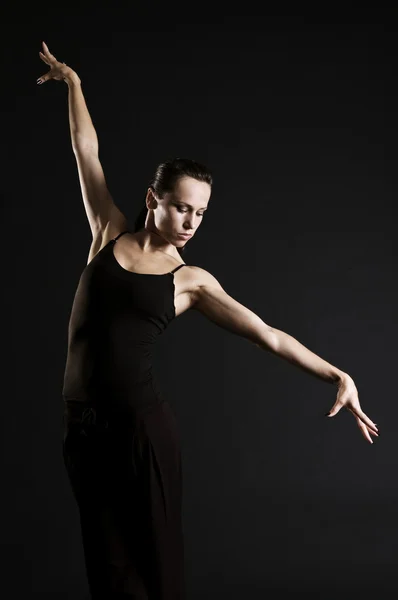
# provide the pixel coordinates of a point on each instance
(165, 178)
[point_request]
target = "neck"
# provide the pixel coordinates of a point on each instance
(153, 241)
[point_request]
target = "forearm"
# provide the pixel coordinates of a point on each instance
(83, 134)
(284, 345)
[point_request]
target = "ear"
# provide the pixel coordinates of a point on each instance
(150, 199)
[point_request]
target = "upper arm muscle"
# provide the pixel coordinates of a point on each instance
(98, 202)
(212, 301)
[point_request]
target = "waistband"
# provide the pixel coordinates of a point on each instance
(100, 415)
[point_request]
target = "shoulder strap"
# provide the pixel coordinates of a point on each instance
(118, 236)
(179, 267)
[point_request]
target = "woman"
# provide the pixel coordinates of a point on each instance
(121, 444)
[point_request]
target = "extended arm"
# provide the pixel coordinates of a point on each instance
(82, 131)
(98, 203)
(211, 300)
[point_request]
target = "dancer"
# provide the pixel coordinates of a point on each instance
(121, 443)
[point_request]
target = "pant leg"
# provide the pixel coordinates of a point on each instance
(127, 481)
(162, 486)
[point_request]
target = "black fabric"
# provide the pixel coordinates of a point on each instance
(121, 443)
(116, 318)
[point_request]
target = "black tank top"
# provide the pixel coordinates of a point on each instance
(116, 318)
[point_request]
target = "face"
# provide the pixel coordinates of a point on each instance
(182, 210)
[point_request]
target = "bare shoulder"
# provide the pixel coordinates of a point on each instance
(192, 282)
(200, 277)
(197, 282)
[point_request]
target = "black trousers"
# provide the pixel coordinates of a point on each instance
(126, 476)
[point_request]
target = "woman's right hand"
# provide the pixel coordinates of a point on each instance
(59, 71)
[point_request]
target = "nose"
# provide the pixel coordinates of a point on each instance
(190, 224)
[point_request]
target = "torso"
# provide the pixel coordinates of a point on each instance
(130, 257)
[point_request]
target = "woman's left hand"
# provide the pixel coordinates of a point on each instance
(347, 396)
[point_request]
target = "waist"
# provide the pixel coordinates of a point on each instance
(114, 395)
(105, 415)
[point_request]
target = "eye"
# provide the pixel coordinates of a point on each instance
(181, 210)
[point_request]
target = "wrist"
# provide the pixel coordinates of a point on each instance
(340, 378)
(72, 78)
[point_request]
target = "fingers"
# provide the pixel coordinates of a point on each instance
(357, 412)
(364, 430)
(335, 409)
(44, 58)
(49, 59)
(366, 425)
(373, 433)
(47, 51)
(42, 79)
(364, 418)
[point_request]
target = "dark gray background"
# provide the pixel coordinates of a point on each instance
(296, 116)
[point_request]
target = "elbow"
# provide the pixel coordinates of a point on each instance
(83, 145)
(268, 340)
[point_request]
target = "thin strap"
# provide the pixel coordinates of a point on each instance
(118, 236)
(179, 267)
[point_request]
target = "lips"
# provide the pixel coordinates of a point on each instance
(185, 235)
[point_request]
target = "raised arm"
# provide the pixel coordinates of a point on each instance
(209, 298)
(99, 205)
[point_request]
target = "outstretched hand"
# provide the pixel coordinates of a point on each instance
(58, 70)
(347, 396)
